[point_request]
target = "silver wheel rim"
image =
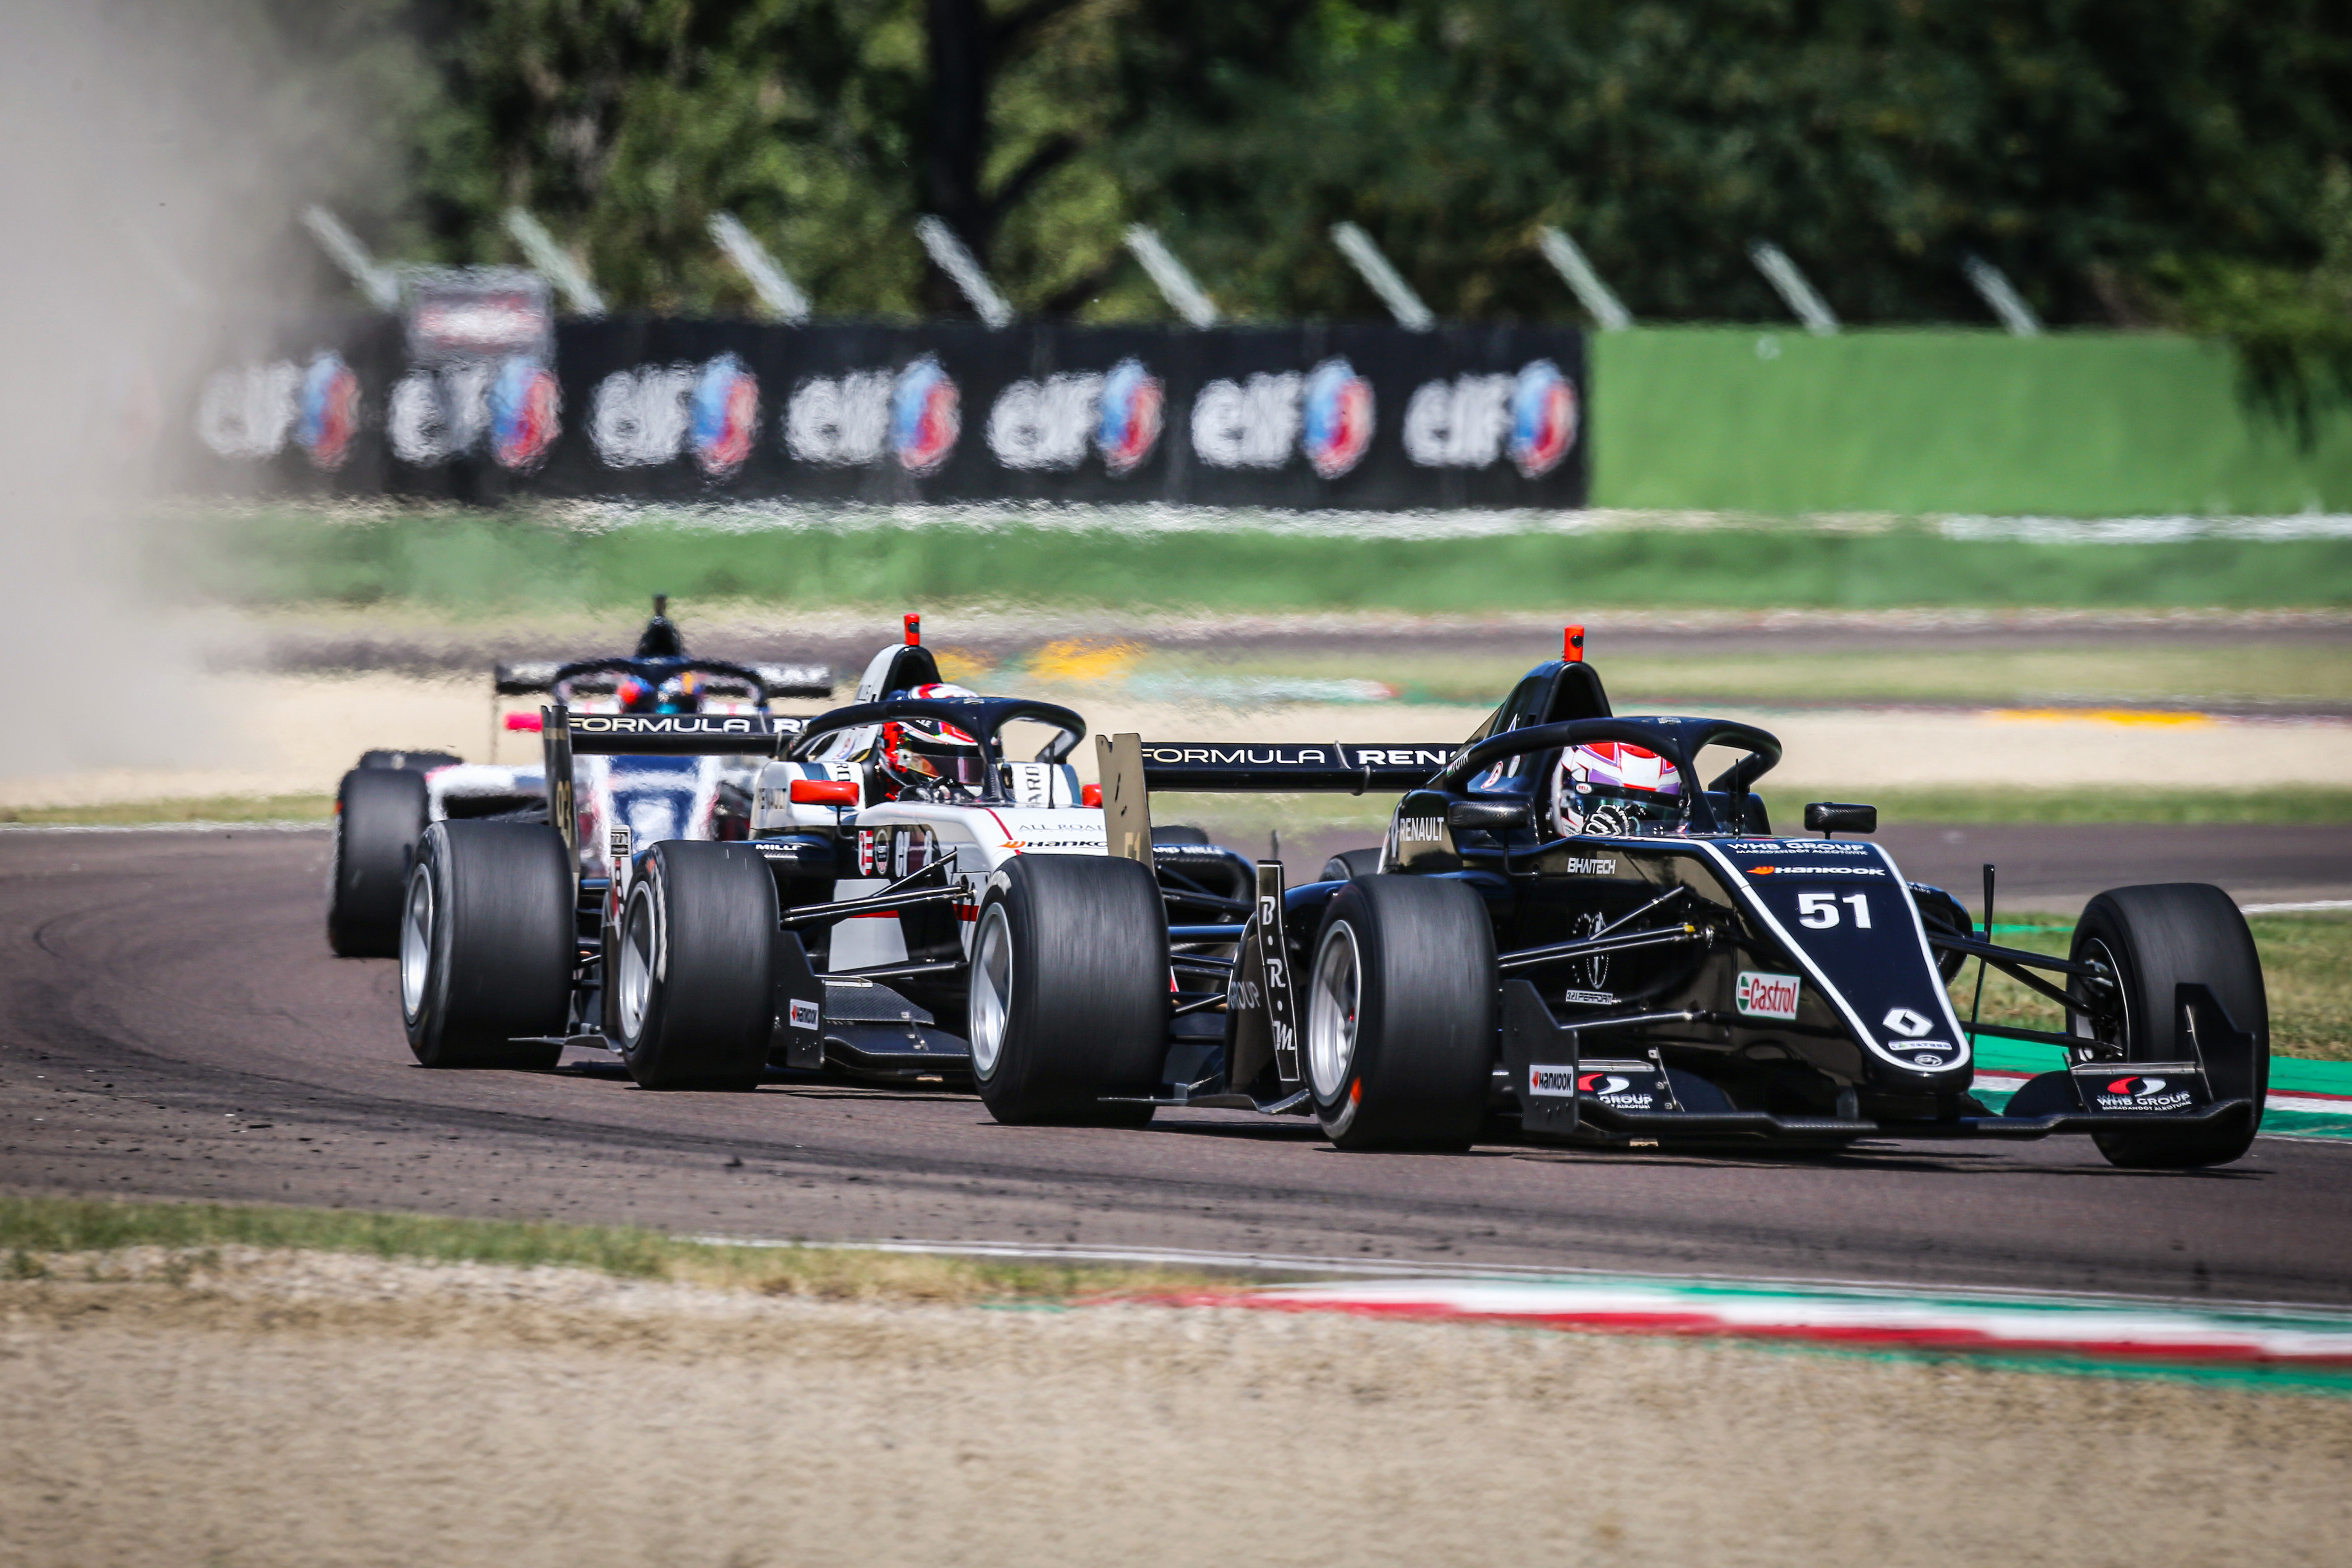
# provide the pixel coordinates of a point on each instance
(416, 941)
(636, 977)
(1332, 1007)
(991, 988)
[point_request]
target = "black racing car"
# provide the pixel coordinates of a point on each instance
(1570, 928)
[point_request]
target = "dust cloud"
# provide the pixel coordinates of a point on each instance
(152, 158)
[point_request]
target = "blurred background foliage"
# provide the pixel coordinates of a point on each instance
(2128, 163)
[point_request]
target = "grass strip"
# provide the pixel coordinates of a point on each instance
(33, 1229)
(462, 560)
(2307, 969)
(2283, 807)
(208, 808)
(1245, 819)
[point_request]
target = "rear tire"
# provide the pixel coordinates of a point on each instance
(687, 981)
(1400, 1027)
(2156, 938)
(1070, 991)
(1348, 865)
(487, 945)
(379, 813)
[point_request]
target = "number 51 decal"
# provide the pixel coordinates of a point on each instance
(1820, 911)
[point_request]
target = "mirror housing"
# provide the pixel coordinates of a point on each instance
(1826, 816)
(1493, 815)
(824, 792)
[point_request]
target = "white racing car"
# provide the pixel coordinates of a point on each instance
(384, 805)
(911, 903)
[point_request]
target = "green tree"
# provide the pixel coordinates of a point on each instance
(2100, 152)
(2071, 142)
(826, 125)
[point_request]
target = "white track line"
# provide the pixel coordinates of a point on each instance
(1390, 1268)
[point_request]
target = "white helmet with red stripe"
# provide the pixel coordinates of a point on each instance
(1615, 787)
(928, 754)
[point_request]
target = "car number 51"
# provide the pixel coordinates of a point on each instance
(1820, 911)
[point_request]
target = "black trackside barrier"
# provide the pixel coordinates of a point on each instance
(1236, 766)
(1342, 416)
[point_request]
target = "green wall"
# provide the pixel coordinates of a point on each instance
(2090, 425)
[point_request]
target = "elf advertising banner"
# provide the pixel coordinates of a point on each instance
(1357, 417)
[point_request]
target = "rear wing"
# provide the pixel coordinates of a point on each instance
(1132, 768)
(668, 734)
(1219, 766)
(564, 734)
(525, 677)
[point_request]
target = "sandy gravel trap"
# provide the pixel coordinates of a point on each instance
(280, 1408)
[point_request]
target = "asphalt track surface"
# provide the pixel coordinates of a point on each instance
(171, 1025)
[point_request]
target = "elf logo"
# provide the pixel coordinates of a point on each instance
(1761, 995)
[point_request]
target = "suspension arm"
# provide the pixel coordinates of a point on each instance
(1594, 946)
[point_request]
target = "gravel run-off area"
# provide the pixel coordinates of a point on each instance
(247, 1407)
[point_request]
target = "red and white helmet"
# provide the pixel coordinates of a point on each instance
(928, 754)
(1616, 788)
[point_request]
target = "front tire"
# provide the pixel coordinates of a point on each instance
(487, 945)
(379, 813)
(688, 982)
(1401, 1013)
(1070, 991)
(2156, 938)
(1352, 864)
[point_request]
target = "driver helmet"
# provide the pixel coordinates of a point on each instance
(636, 694)
(681, 693)
(928, 753)
(1614, 787)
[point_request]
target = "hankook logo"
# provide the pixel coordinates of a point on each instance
(1554, 1082)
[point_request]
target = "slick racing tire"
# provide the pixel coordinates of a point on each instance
(2156, 938)
(1399, 1014)
(1070, 991)
(379, 813)
(487, 945)
(1348, 865)
(687, 983)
